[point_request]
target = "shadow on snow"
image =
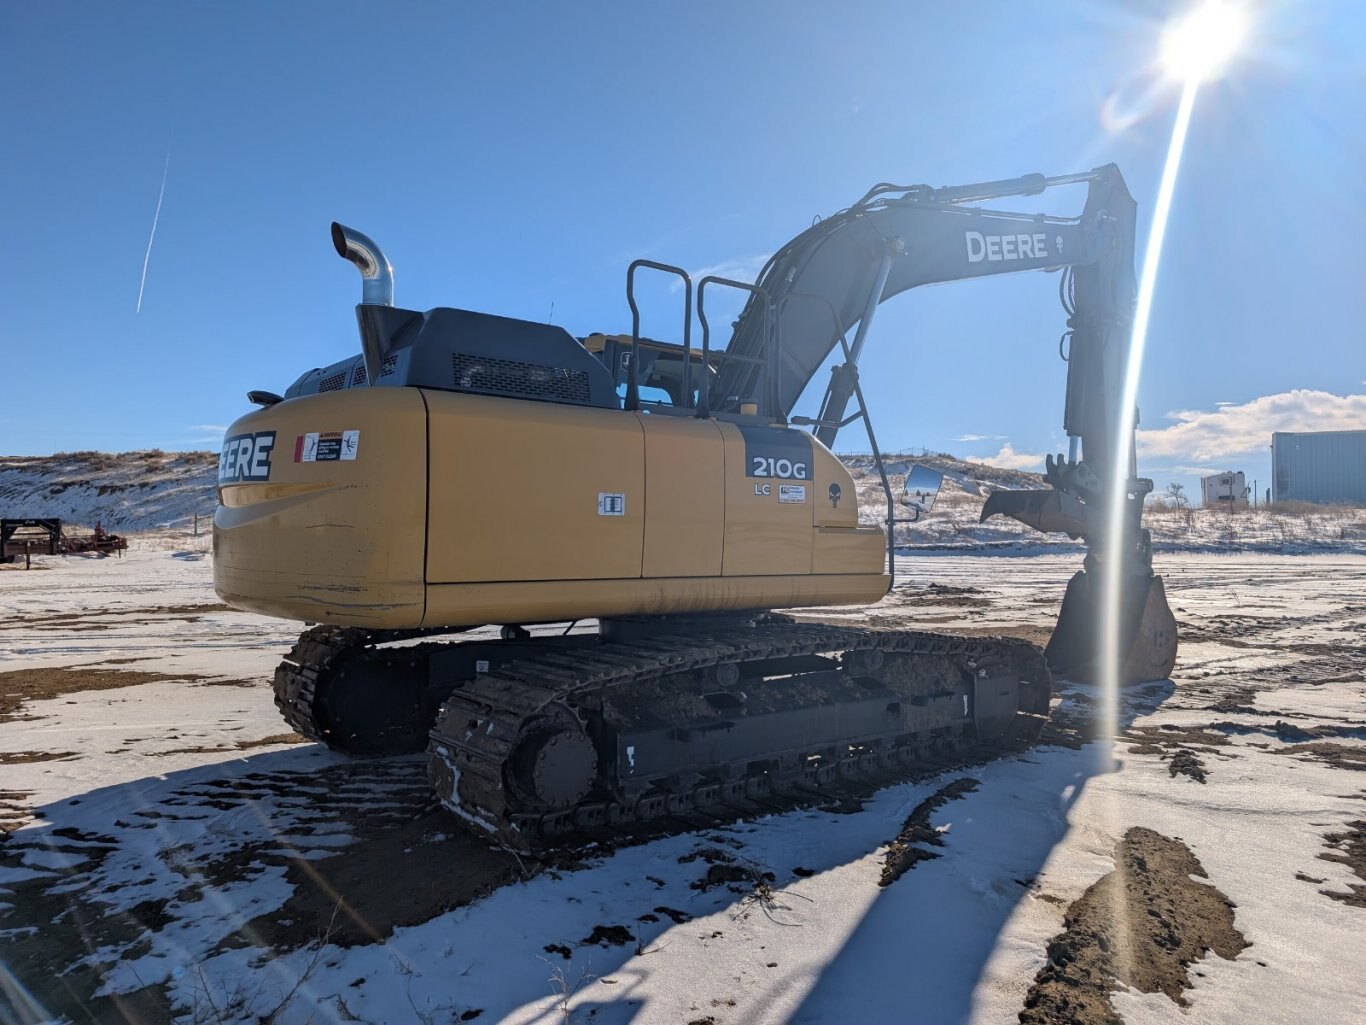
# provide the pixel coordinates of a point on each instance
(179, 881)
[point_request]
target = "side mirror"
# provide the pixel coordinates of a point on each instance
(920, 490)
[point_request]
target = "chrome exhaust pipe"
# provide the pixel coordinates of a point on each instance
(377, 277)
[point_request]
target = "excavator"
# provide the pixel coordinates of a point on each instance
(469, 471)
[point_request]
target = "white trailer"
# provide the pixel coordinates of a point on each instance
(1222, 489)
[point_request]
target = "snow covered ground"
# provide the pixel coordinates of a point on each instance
(175, 848)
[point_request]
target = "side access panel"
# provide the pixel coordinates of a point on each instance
(768, 501)
(685, 496)
(523, 491)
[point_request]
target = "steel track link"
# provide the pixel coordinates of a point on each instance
(306, 676)
(480, 724)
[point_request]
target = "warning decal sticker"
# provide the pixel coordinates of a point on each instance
(611, 503)
(326, 446)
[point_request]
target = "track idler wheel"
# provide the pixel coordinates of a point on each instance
(1147, 639)
(554, 763)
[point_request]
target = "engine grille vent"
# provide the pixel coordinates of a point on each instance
(510, 377)
(386, 368)
(333, 383)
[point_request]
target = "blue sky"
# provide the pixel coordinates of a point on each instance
(515, 157)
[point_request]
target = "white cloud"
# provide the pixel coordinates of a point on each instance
(737, 268)
(1231, 430)
(980, 437)
(1009, 459)
(1195, 471)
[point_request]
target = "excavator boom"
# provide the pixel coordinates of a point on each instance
(829, 281)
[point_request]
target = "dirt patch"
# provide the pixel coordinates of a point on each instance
(608, 936)
(99, 619)
(1187, 763)
(386, 856)
(1177, 745)
(1036, 635)
(1349, 849)
(909, 847)
(14, 811)
(46, 957)
(1340, 756)
(20, 685)
(1167, 922)
(1170, 736)
(241, 745)
(1239, 700)
(275, 738)
(723, 869)
(442, 865)
(946, 595)
(28, 757)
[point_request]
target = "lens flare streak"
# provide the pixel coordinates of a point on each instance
(1126, 412)
(1122, 469)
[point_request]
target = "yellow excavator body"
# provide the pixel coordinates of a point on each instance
(469, 469)
(407, 507)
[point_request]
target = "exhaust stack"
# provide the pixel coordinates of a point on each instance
(377, 276)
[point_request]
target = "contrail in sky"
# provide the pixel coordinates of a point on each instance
(148, 255)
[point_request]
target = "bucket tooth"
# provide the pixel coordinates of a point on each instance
(1147, 640)
(1047, 511)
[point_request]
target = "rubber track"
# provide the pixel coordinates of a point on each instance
(480, 723)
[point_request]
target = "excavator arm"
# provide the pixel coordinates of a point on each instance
(831, 278)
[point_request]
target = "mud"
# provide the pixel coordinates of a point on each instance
(1178, 747)
(910, 846)
(945, 596)
(29, 757)
(89, 618)
(242, 745)
(1173, 921)
(1349, 849)
(1340, 756)
(397, 833)
(410, 838)
(1169, 736)
(608, 936)
(14, 812)
(1187, 763)
(20, 685)
(46, 957)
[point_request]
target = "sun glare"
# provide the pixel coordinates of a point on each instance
(1199, 45)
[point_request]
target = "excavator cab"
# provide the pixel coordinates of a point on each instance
(659, 369)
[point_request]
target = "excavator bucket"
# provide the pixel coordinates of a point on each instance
(1048, 511)
(1147, 630)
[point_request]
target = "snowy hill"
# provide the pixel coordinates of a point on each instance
(125, 492)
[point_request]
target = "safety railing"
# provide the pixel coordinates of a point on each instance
(633, 377)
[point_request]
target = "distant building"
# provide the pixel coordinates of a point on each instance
(1223, 489)
(1319, 466)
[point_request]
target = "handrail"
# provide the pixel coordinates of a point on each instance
(704, 392)
(633, 382)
